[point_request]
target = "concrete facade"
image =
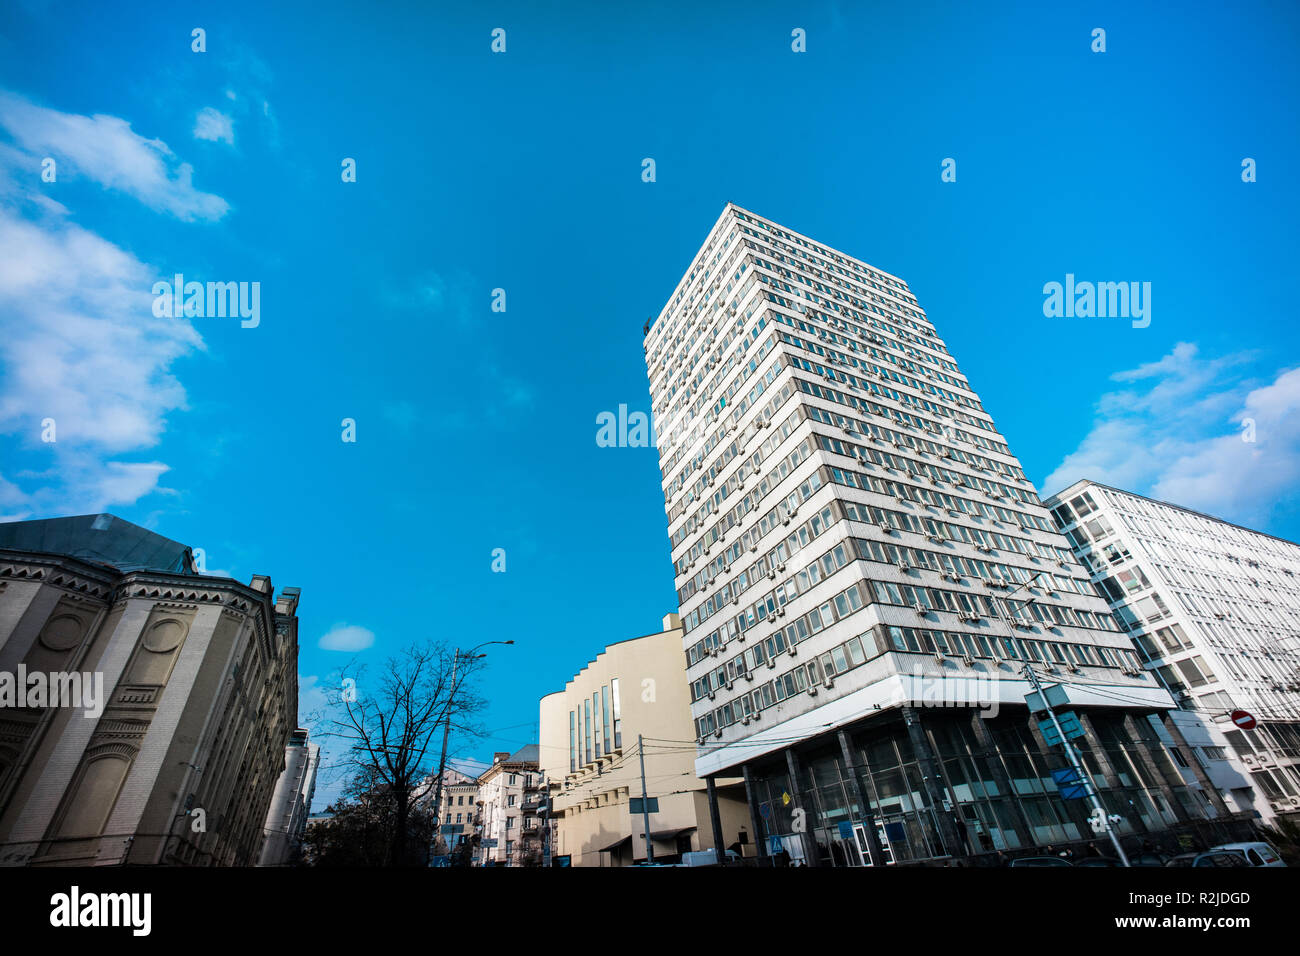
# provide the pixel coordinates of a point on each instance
(286, 821)
(861, 563)
(1214, 610)
(200, 677)
(508, 831)
(592, 764)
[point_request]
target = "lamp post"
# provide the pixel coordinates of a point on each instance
(446, 728)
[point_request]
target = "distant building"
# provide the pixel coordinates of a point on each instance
(459, 806)
(200, 685)
(1214, 609)
(291, 805)
(593, 768)
(509, 834)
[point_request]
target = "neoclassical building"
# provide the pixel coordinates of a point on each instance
(178, 762)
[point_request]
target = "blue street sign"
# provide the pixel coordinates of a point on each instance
(846, 830)
(1074, 791)
(774, 844)
(765, 811)
(1069, 725)
(1065, 775)
(1055, 696)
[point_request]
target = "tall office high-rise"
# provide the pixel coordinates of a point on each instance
(1214, 609)
(864, 572)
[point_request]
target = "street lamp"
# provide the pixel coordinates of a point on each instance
(446, 727)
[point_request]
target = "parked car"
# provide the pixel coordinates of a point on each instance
(1040, 861)
(1256, 854)
(706, 858)
(1220, 858)
(1100, 861)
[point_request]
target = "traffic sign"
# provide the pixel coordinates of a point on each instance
(1070, 726)
(774, 845)
(1243, 720)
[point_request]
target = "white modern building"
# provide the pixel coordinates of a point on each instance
(1215, 610)
(864, 573)
(286, 821)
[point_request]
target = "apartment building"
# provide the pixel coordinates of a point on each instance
(510, 834)
(200, 699)
(865, 573)
(458, 810)
(286, 821)
(1214, 610)
(593, 763)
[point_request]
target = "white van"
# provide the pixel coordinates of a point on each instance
(1256, 854)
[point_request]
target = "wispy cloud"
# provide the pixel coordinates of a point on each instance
(80, 347)
(214, 126)
(1179, 431)
(105, 150)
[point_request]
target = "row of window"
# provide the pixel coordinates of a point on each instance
(884, 552)
(595, 728)
(870, 644)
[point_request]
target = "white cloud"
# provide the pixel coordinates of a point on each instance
(214, 126)
(105, 150)
(347, 637)
(1177, 434)
(79, 342)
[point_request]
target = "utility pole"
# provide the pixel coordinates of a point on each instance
(1078, 766)
(645, 804)
(446, 731)
(442, 761)
(1070, 753)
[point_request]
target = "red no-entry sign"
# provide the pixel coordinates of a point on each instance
(1243, 720)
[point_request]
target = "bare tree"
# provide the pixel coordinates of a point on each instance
(390, 722)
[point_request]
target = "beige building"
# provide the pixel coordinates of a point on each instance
(507, 817)
(592, 764)
(459, 806)
(177, 760)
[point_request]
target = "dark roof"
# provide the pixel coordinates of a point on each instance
(99, 539)
(525, 754)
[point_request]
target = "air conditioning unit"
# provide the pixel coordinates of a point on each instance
(771, 662)
(936, 539)
(968, 660)
(920, 609)
(904, 566)
(883, 527)
(730, 684)
(718, 732)
(749, 676)
(713, 695)
(780, 612)
(744, 720)
(812, 690)
(794, 650)
(700, 740)
(714, 651)
(829, 681)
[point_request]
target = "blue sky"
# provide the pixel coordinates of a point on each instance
(522, 171)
